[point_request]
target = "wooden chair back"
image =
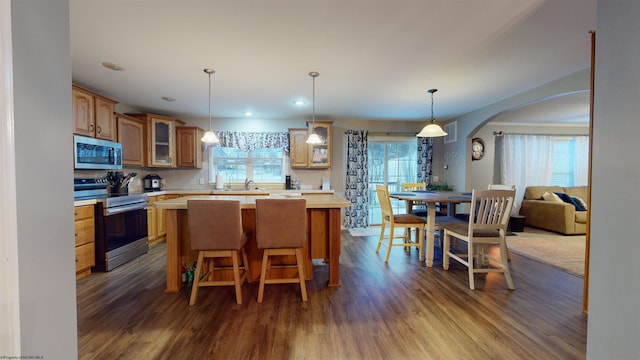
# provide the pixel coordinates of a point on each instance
(413, 186)
(385, 203)
(501, 187)
(490, 210)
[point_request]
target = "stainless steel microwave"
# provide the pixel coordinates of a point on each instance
(91, 153)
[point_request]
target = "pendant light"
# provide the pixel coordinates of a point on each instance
(432, 129)
(313, 137)
(209, 137)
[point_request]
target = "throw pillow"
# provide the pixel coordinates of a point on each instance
(581, 201)
(549, 196)
(569, 200)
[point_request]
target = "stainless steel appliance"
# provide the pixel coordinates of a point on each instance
(121, 223)
(90, 153)
(152, 182)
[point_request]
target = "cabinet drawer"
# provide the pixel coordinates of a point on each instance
(83, 212)
(85, 256)
(85, 231)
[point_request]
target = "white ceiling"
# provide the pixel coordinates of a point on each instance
(376, 58)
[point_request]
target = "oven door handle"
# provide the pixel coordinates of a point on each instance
(121, 209)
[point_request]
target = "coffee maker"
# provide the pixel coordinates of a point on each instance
(152, 182)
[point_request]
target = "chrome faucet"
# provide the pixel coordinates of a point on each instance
(247, 182)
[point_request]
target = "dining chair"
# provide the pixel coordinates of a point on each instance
(393, 221)
(281, 229)
(416, 208)
(501, 187)
(504, 187)
(488, 220)
(215, 231)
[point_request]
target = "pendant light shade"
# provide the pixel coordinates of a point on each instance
(209, 137)
(313, 137)
(432, 129)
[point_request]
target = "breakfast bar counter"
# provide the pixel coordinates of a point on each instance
(323, 234)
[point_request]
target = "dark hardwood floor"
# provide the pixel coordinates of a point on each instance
(399, 310)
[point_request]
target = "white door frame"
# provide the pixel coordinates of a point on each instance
(9, 285)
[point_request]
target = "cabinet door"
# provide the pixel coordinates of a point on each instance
(85, 257)
(132, 137)
(151, 220)
(189, 147)
(84, 239)
(298, 148)
(319, 156)
(105, 119)
(161, 230)
(83, 112)
(162, 143)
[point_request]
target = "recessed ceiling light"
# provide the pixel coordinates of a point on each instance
(248, 113)
(112, 66)
(298, 102)
(168, 98)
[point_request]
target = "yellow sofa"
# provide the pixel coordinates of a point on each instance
(557, 216)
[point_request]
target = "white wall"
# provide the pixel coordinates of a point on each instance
(614, 286)
(44, 173)
(481, 172)
(458, 172)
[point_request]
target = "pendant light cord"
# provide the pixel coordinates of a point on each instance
(210, 101)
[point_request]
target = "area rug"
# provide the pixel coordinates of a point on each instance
(564, 252)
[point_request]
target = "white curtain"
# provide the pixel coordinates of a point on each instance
(581, 174)
(526, 160)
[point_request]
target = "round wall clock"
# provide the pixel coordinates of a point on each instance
(477, 149)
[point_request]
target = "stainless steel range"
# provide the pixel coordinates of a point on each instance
(121, 223)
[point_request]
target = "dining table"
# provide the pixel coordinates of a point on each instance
(430, 198)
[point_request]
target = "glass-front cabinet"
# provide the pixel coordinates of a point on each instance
(311, 156)
(320, 154)
(161, 139)
(162, 143)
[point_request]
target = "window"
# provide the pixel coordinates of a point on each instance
(392, 161)
(260, 165)
(564, 162)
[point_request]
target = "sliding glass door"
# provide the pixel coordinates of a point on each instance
(392, 161)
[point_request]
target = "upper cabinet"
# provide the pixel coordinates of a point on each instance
(310, 156)
(189, 147)
(93, 114)
(161, 139)
(132, 136)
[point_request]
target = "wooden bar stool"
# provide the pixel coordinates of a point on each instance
(281, 229)
(215, 229)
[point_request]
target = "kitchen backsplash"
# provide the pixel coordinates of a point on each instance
(189, 179)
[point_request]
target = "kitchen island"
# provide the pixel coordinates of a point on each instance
(323, 234)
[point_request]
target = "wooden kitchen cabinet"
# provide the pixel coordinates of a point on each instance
(84, 240)
(156, 228)
(152, 232)
(298, 147)
(161, 139)
(308, 156)
(132, 136)
(189, 147)
(93, 114)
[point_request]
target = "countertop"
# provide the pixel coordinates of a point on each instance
(235, 192)
(321, 201)
(85, 202)
(258, 191)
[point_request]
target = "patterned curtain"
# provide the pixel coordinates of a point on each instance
(425, 155)
(247, 141)
(357, 180)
